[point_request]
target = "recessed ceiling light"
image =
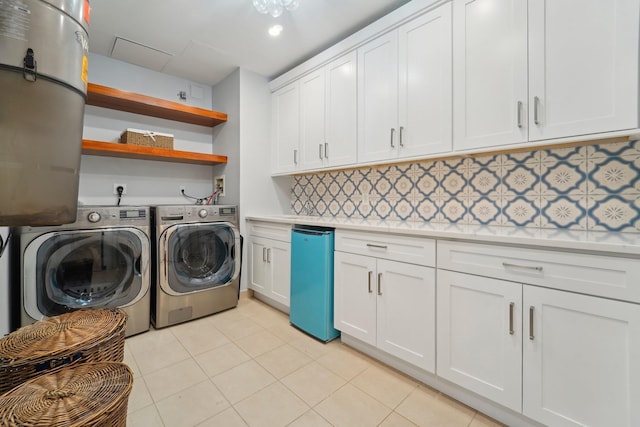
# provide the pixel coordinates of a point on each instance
(275, 30)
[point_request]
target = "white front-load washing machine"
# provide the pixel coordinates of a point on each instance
(197, 262)
(101, 260)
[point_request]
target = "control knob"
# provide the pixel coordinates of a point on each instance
(93, 217)
(203, 213)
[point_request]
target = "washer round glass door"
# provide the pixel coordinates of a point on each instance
(82, 269)
(198, 257)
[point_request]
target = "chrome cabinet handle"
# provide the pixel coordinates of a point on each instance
(526, 267)
(264, 254)
(269, 256)
(511, 318)
(320, 151)
(370, 274)
(295, 157)
(401, 137)
(536, 105)
(393, 133)
(326, 150)
(531, 323)
(379, 283)
(520, 114)
(371, 245)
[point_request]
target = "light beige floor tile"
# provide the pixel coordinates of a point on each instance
(481, 420)
(226, 418)
(272, 406)
(351, 407)
(151, 340)
(131, 361)
(145, 417)
(227, 316)
(313, 383)
(171, 380)
(160, 357)
(221, 359)
(285, 332)
(283, 360)
(310, 419)
(425, 408)
(239, 328)
(344, 362)
(140, 396)
(395, 420)
(310, 346)
(199, 336)
(243, 380)
(256, 344)
(192, 405)
(385, 385)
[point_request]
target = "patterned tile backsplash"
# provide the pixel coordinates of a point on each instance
(591, 187)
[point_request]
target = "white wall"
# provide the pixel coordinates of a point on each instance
(148, 182)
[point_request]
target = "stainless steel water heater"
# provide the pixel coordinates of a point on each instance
(43, 86)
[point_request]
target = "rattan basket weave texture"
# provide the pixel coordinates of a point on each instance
(147, 138)
(94, 335)
(87, 395)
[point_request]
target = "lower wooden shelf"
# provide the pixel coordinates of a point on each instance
(114, 149)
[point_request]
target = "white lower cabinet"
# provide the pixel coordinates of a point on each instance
(560, 358)
(270, 262)
(386, 303)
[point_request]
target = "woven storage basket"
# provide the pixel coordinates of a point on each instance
(87, 395)
(147, 138)
(77, 337)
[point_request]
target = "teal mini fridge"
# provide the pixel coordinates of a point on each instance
(311, 307)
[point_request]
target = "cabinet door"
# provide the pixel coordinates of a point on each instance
(286, 128)
(583, 75)
(425, 97)
(279, 260)
(407, 312)
(479, 336)
(378, 99)
(259, 275)
(342, 110)
(355, 296)
(312, 119)
(489, 73)
(580, 359)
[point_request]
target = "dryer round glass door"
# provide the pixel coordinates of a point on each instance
(99, 268)
(200, 256)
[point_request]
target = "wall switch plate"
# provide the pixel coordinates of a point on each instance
(115, 188)
(219, 185)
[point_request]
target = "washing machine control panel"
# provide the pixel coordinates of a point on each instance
(203, 213)
(94, 217)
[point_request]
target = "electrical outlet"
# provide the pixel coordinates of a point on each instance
(115, 188)
(219, 182)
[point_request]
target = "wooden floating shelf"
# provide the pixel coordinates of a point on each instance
(115, 149)
(115, 99)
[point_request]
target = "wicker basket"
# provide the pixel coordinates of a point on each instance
(77, 337)
(87, 395)
(147, 138)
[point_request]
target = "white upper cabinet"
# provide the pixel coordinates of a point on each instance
(538, 70)
(404, 90)
(489, 73)
(328, 114)
(583, 67)
(286, 128)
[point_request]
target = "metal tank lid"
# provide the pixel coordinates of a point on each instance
(78, 10)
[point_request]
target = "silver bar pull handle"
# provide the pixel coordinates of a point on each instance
(536, 106)
(526, 267)
(264, 254)
(519, 114)
(379, 283)
(401, 140)
(295, 157)
(320, 151)
(393, 134)
(371, 245)
(531, 323)
(326, 150)
(370, 274)
(269, 255)
(511, 305)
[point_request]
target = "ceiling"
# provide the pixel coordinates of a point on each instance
(206, 40)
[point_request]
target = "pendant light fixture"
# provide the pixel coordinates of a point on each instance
(275, 7)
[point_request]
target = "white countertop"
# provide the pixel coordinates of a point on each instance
(598, 241)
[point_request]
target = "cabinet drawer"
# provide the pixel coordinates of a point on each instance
(595, 274)
(270, 230)
(413, 250)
